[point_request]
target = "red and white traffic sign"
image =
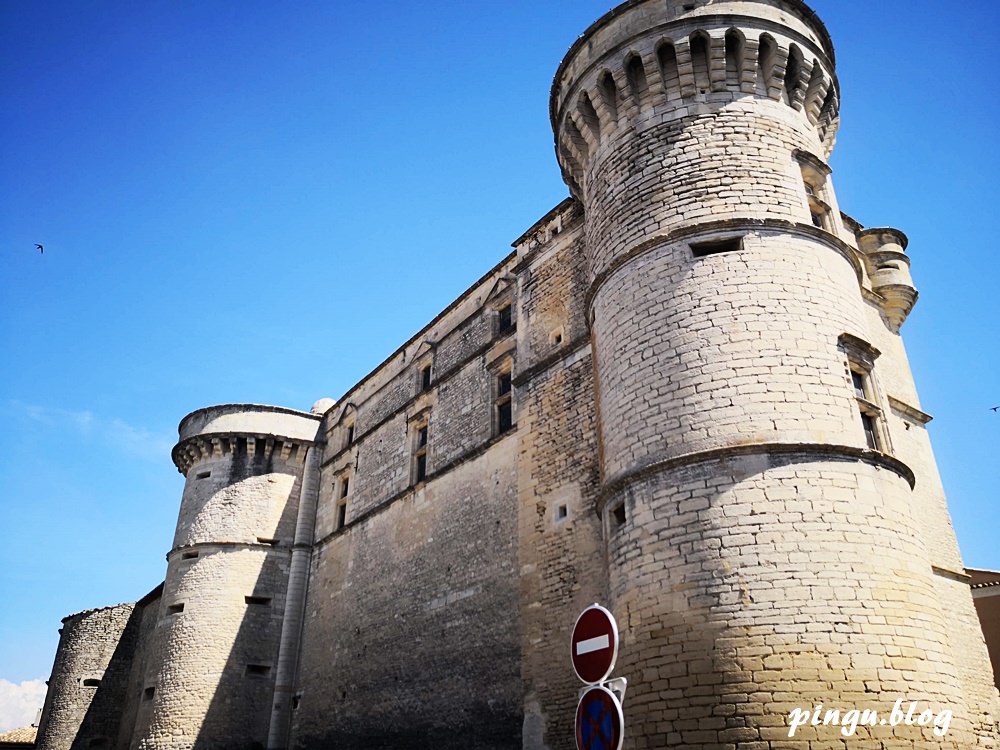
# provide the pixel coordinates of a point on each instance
(594, 644)
(599, 720)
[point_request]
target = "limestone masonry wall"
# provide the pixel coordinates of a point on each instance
(683, 395)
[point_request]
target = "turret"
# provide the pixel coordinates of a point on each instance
(763, 546)
(889, 269)
(226, 594)
(88, 685)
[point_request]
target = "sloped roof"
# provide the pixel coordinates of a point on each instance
(983, 579)
(22, 734)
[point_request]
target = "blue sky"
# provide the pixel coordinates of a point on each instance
(259, 201)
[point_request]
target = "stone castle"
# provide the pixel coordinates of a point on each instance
(684, 395)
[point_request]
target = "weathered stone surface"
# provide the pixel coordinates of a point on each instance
(683, 395)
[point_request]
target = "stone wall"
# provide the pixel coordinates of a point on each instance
(411, 637)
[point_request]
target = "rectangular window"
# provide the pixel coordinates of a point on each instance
(258, 670)
(175, 609)
(425, 378)
(350, 435)
(715, 247)
(814, 184)
(871, 436)
(859, 384)
(503, 403)
(505, 319)
(870, 413)
(342, 494)
(420, 442)
(261, 601)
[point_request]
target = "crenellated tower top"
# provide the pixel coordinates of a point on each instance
(243, 429)
(650, 61)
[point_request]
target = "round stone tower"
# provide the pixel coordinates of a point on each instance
(763, 550)
(88, 686)
(227, 585)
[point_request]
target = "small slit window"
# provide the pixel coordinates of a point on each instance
(715, 247)
(148, 693)
(258, 601)
(425, 378)
(349, 436)
(258, 670)
(90, 682)
(203, 475)
(267, 540)
(189, 555)
(618, 517)
(175, 609)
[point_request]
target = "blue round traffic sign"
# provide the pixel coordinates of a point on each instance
(599, 720)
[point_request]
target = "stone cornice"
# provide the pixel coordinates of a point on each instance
(912, 412)
(725, 225)
(203, 447)
(808, 451)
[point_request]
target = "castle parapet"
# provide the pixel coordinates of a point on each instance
(634, 71)
(243, 429)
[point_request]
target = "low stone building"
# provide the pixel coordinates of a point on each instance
(986, 596)
(683, 395)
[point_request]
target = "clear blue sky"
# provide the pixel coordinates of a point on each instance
(247, 201)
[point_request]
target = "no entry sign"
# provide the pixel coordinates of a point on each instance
(594, 644)
(599, 720)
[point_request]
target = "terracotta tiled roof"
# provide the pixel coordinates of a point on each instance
(983, 579)
(23, 734)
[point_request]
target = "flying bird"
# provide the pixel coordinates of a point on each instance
(41, 249)
(995, 408)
